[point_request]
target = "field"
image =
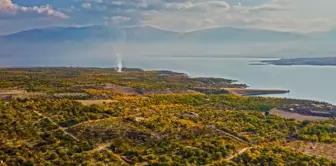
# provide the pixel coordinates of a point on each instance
(112, 126)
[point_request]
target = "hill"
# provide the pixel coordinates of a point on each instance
(91, 33)
(326, 36)
(228, 34)
(148, 34)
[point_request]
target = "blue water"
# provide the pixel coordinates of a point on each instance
(304, 82)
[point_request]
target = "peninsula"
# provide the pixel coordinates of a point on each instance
(327, 61)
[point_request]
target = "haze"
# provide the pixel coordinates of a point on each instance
(156, 28)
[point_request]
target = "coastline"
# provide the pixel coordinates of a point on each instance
(326, 61)
(255, 92)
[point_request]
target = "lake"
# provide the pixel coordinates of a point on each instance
(304, 82)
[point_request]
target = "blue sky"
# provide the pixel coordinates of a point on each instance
(177, 15)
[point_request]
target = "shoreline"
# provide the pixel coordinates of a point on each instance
(326, 61)
(220, 85)
(255, 92)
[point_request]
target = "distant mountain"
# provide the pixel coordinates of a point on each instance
(236, 34)
(148, 34)
(91, 33)
(62, 34)
(325, 36)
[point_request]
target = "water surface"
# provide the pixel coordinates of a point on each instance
(304, 82)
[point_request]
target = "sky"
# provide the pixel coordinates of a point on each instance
(176, 15)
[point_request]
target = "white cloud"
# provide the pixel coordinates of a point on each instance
(90, 1)
(14, 18)
(179, 6)
(86, 5)
(186, 15)
(9, 10)
(198, 6)
(118, 3)
(280, 15)
(117, 19)
(265, 7)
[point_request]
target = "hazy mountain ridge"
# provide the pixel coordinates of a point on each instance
(329, 35)
(149, 34)
(91, 33)
(98, 43)
(237, 34)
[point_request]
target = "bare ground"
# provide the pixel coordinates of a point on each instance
(91, 102)
(99, 148)
(324, 150)
(239, 153)
(296, 116)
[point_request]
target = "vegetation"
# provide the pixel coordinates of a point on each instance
(56, 80)
(319, 131)
(278, 156)
(157, 129)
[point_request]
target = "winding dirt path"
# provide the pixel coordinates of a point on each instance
(99, 148)
(228, 159)
(239, 153)
(231, 135)
(59, 127)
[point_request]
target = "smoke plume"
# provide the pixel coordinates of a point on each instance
(120, 63)
(118, 49)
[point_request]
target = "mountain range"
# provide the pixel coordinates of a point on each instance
(151, 34)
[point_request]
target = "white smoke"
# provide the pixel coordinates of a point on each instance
(118, 50)
(120, 63)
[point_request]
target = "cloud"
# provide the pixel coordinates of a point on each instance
(180, 6)
(181, 15)
(198, 6)
(14, 17)
(264, 8)
(90, 1)
(116, 20)
(186, 15)
(86, 5)
(9, 10)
